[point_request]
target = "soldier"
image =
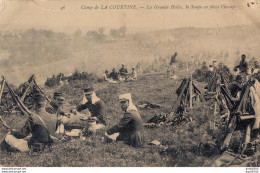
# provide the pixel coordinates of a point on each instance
(37, 133)
(243, 67)
(214, 66)
(113, 75)
(105, 75)
(173, 59)
(56, 103)
(56, 108)
(96, 107)
(123, 71)
(235, 88)
(172, 67)
(132, 75)
(204, 67)
(130, 127)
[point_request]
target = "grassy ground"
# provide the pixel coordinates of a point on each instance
(186, 142)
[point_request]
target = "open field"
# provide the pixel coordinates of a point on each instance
(186, 143)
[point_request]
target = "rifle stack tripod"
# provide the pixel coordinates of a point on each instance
(18, 102)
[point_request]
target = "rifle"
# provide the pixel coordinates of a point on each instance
(41, 90)
(25, 92)
(24, 109)
(4, 123)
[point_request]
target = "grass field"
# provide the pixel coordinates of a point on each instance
(186, 143)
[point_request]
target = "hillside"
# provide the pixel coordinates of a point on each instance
(185, 142)
(46, 52)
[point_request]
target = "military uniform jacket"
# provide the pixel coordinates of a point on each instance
(242, 66)
(97, 109)
(54, 109)
(130, 129)
(122, 71)
(40, 132)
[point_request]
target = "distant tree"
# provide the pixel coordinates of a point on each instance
(95, 35)
(77, 34)
(101, 30)
(118, 33)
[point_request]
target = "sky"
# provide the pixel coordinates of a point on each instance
(67, 15)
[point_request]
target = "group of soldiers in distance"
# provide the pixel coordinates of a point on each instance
(235, 82)
(121, 75)
(243, 69)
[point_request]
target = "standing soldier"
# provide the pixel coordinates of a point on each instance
(243, 67)
(172, 66)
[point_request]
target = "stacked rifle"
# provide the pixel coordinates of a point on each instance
(187, 94)
(18, 102)
(241, 118)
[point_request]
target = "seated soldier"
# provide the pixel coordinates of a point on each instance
(56, 108)
(113, 75)
(105, 75)
(123, 71)
(96, 107)
(56, 103)
(134, 74)
(131, 76)
(37, 133)
(130, 127)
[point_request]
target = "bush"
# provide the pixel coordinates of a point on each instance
(77, 75)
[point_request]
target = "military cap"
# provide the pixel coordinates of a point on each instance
(40, 99)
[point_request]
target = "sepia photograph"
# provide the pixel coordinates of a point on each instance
(129, 83)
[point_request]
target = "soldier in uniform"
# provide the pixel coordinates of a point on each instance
(243, 67)
(123, 71)
(130, 127)
(113, 75)
(56, 103)
(37, 133)
(96, 107)
(56, 108)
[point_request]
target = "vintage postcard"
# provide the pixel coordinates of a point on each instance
(129, 83)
